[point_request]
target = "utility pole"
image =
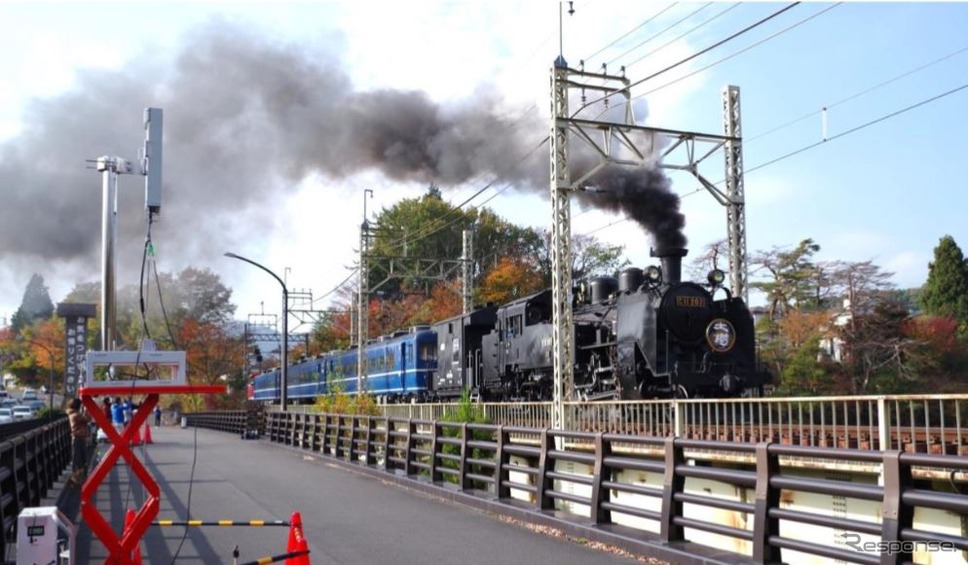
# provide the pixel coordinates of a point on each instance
(624, 143)
(735, 194)
(363, 298)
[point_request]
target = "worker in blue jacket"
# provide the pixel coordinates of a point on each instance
(117, 414)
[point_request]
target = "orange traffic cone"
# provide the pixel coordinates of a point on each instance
(128, 520)
(296, 541)
(148, 434)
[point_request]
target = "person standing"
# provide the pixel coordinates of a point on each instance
(157, 415)
(128, 411)
(117, 414)
(80, 438)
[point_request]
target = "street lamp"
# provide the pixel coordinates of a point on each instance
(284, 385)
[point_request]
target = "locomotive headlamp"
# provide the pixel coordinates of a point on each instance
(716, 277)
(653, 274)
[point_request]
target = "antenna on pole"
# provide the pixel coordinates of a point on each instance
(561, 26)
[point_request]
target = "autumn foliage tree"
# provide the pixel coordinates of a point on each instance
(210, 353)
(511, 279)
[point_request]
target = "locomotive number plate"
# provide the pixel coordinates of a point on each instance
(691, 301)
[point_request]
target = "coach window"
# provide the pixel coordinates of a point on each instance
(426, 351)
(514, 326)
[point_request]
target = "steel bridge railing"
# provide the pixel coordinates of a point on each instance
(910, 423)
(594, 479)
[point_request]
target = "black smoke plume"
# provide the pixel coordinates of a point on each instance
(246, 119)
(644, 195)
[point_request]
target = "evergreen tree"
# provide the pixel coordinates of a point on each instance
(36, 304)
(945, 293)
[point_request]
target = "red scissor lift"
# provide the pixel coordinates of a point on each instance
(122, 549)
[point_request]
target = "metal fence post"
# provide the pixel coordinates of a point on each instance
(408, 454)
(501, 460)
(542, 482)
(895, 515)
(435, 448)
(673, 484)
(767, 498)
(883, 425)
(678, 418)
(353, 428)
(464, 482)
(324, 448)
(600, 473)
(368, 451)
(387, 442)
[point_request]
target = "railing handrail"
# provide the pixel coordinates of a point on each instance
(426, 454)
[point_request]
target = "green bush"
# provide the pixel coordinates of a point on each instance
(471, 413)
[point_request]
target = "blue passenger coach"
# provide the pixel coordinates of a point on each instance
(398, 368)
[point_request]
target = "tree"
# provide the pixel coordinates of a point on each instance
(878, 356)
(714, 256)
(945, 293)
(429, 229)
(193, 294)
(210, 352)
(36, 304)
(791, 283)
(509, 280)
(589, 258)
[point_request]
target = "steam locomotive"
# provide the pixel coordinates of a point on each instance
(647, 334)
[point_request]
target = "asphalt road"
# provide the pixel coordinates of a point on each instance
(348, 518)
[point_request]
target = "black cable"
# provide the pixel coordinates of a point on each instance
(741, 51)
(164, 313)
(444, 224)
(691, 57)
(812, 145)
(188, 505)
(860, 127)
(858, 94)
(683, 34)
(635, 29)
(142, 282)
(659, 34)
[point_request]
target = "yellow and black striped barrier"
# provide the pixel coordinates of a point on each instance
(256, 523)
(277, 558)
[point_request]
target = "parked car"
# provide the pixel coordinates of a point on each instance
(36, 405)
(6, 415)
(8, 402)
(23, 412)
(28, 394)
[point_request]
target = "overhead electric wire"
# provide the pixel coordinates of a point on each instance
(741, 51)
(819, 143)
(699, 53)
(860, 127)
(445, 224)
(635, 29)
(859, 94)
(659, 34)
(681, 35)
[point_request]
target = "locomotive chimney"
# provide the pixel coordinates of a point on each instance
(671, 259)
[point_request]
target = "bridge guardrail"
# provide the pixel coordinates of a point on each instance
(910, 423)
(524, 470)
(30, 462)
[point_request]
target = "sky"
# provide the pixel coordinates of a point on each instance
(278, 118)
